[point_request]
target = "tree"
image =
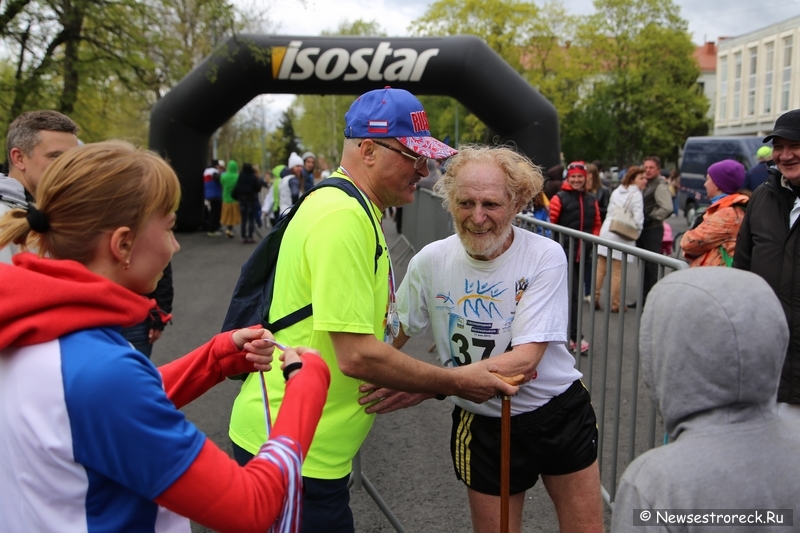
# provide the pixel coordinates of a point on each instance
(283, 141)
(556, 62)
(646, 100)
(106, 62)
(505, 25)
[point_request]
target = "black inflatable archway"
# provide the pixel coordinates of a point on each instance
(462, 67)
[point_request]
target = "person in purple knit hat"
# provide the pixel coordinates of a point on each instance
(713, 241)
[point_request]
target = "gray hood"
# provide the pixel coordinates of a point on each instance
(712, 344)
(11, 189)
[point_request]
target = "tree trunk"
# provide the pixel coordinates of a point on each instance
(72, 21)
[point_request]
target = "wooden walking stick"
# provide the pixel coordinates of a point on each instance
(505, 463)
(505, 452)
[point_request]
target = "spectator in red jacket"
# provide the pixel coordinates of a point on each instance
(577, 209)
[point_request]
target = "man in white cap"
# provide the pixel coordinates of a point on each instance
(768, 244)
(328, 256)
(292, 185)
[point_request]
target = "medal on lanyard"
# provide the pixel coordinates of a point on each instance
(392, 318)
(392, 329)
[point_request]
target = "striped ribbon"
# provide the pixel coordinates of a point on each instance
(288, 456)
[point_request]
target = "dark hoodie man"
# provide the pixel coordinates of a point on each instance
(768, 244)
(712, 367)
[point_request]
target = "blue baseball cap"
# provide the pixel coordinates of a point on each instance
(394, 113)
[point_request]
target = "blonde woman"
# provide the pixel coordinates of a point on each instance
(90, 429)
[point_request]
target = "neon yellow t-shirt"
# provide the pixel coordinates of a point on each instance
(327, 257)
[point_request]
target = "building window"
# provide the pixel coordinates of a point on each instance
(751, 83)
(787, 73)
(769, 71)
(737, 84)
(723, 88)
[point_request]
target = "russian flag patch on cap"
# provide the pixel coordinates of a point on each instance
(378, 126)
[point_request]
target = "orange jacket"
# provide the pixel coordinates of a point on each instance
(719, 227)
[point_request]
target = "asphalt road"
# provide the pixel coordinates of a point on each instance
(406, 456)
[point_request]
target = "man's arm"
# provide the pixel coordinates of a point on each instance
(362, 356)
(522, 359)
(386, 400)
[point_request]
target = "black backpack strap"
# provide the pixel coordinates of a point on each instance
(290, 319)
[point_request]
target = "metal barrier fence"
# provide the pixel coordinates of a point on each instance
(611, 366)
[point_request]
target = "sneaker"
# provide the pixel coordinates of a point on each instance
(229, 234)
(584, 346)
(214, 233)
(587, 299)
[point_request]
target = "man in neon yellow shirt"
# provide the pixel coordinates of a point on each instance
(328, 257)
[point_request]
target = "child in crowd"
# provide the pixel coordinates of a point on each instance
(91, 432)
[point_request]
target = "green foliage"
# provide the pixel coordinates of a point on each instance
(106, 62)
(505, 25)
(622, 80)
(359, 27)
(644, 98)
(283, 141)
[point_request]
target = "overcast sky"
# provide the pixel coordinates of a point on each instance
(708, 19)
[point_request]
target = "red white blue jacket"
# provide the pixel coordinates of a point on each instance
(91, 436)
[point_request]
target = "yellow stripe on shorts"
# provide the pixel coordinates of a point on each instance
(463, 438)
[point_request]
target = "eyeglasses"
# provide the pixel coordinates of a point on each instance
(419, 161)
(576, 165)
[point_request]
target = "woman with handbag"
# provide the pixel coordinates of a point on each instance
(623, 224)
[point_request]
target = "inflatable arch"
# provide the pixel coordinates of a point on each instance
(462, 67)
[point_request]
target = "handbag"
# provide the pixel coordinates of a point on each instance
(623, 223)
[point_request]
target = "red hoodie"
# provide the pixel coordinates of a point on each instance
(45, 299)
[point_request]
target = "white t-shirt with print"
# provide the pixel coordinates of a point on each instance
(480, 309)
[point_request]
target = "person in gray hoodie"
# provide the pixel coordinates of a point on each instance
(12, 195)
(35, 139)
(712, 366)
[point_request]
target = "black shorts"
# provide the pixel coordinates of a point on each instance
(558, 438)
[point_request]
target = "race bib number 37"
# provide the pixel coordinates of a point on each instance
(473, 340)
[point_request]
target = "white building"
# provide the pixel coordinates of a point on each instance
(706, 57)
(757, 79)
